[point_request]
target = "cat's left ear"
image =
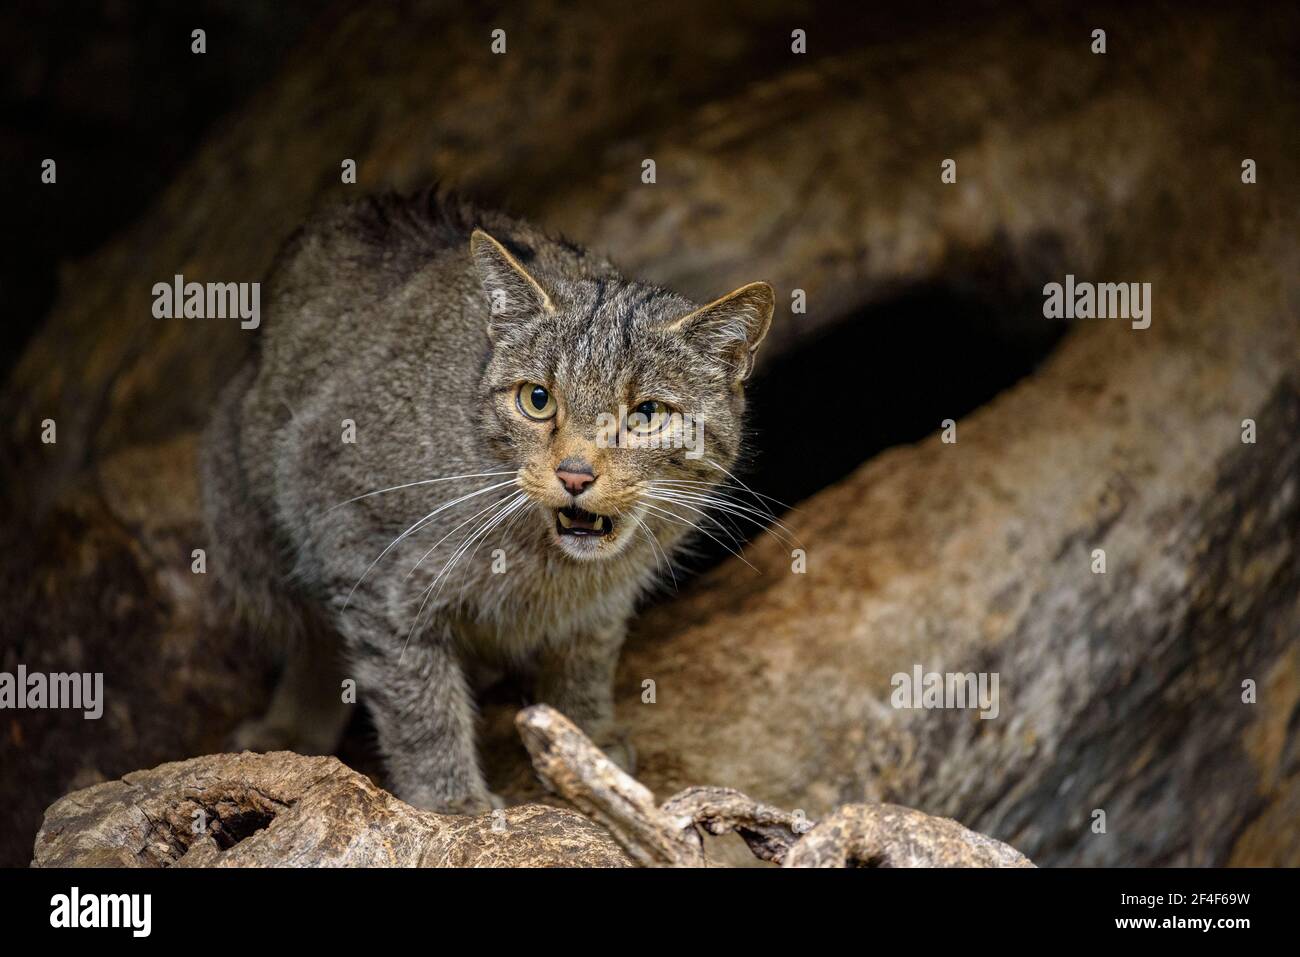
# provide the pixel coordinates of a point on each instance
(731, 328)
(512, 292)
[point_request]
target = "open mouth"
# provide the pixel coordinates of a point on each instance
(574, 521)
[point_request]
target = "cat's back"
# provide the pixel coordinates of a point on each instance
(361, 277)
(389, 274)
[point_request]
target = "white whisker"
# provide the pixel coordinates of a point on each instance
(729, 530)
(506, 506)
(416, 527)
(682, 520)
(394, 488)
(746, 487)
(512, 498)
(434, 548)
(763, 520)
(516, 508)
(655, 546)
(734, 533)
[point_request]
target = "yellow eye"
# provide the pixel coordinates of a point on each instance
(648, 417)
(535, 401)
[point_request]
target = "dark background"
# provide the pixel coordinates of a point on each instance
(112, 90)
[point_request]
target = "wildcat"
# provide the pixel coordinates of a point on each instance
(414, 463)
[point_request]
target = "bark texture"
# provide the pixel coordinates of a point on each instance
(286, 810)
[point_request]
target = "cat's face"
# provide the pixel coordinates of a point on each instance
(620, 404)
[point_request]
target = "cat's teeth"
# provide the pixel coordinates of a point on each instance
(565, 520)
(599, 524)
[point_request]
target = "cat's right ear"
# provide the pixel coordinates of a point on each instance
(731, 328)
(513, 294)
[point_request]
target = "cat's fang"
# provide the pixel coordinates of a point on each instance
(575, 521)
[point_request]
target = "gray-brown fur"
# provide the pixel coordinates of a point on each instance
(379, 312)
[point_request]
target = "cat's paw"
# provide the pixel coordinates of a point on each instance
(466, 805)
(261, 735)
(470, 806)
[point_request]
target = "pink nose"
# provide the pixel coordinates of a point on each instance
(575, 482)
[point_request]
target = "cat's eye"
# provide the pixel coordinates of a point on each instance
(648, 417)
(535, 401)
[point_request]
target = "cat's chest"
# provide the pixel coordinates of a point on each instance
(511, 618)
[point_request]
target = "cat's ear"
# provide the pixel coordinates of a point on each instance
(512, 292)
(731, 328)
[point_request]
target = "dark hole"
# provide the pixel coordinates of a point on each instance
(229, 831)
(886, 376)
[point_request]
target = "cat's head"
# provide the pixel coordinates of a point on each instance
(621, 404)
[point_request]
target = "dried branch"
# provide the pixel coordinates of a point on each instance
(573, 767)
(872, 835)
(886, 835)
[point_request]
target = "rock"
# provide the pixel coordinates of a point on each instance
(285, 810)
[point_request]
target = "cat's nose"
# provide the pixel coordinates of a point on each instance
(575, 475)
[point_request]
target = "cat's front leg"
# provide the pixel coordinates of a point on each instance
(576, 677)
(424, 715)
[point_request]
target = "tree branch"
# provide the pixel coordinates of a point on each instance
(872, 835)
